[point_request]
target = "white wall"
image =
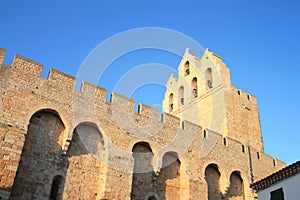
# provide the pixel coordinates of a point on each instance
(291, 189)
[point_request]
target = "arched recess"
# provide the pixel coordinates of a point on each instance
(41, 156)
(236, 187)
(143, 174)
(194, 85)
(212, 178)
(181, 95)
(61, 113)
(171, 102)
(169, 177)
(57, 187)
(209, 78)
(84, 154)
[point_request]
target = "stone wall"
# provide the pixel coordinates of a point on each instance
(81, 147)
(243, 117)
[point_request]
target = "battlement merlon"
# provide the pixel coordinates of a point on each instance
(171, 120)
(94, 90)
(122, 103)
(192, 127)
(2, 55)
(27, 66)
(61, 79)
(148, 111)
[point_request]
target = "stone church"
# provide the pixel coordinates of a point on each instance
(60, 143)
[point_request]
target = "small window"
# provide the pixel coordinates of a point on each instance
(182, 125)
(239, 92)
(248, 97)
(274, 162)
(258, 155)
(243, 148)
(187, 68)
(204, 133)
(277, 194)
(225, 141)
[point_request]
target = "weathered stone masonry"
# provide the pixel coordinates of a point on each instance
(59, 143)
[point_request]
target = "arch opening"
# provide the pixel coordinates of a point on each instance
(236, 187)
(41, 150)
(57, 188)
(84, 154)
(143, 173)
(212, 178)
(169, 177)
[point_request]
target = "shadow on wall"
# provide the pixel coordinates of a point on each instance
(46, 172)
(42, 164)
(143, 179)
(83, 174)
(4, 193)
(148, 184)
(235, 190)
(169, 177)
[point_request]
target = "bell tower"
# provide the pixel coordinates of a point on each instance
(203, 94)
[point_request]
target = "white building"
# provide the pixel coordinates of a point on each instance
(281, 185)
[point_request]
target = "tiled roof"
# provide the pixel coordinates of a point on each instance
(277, 176)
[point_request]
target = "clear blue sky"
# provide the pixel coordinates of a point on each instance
(258, 40)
